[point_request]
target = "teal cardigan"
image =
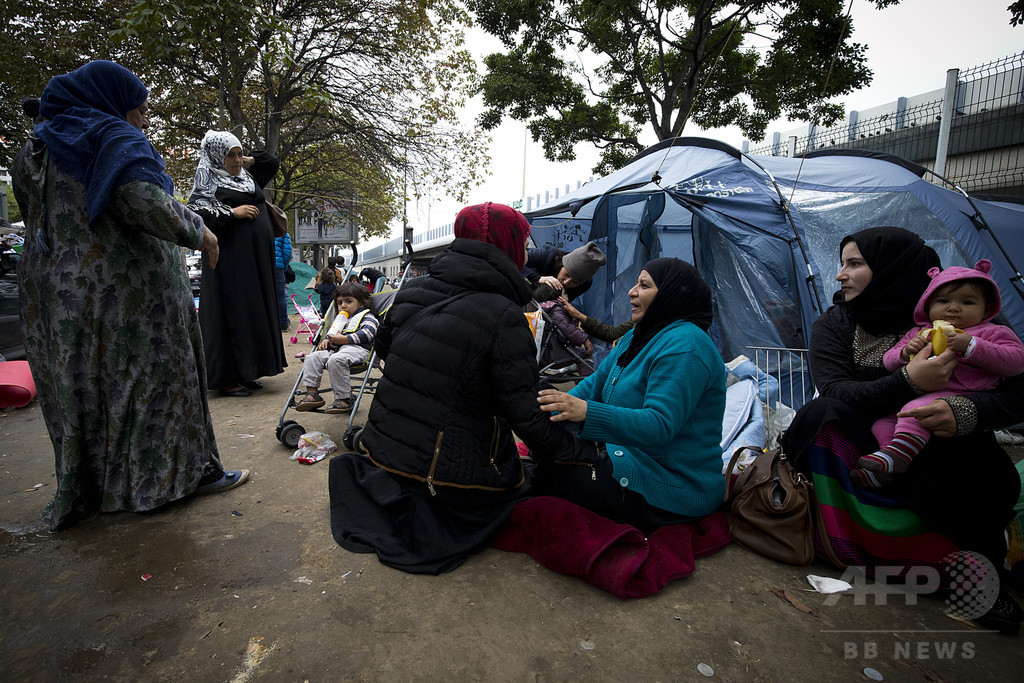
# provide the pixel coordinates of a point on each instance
(661, 418)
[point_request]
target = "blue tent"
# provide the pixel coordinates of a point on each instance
(765, 231)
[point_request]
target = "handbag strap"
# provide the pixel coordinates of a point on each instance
(434, 307)
(729, 482)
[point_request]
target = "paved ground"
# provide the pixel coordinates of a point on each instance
(249, 585)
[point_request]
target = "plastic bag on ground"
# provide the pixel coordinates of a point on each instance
(313, 447)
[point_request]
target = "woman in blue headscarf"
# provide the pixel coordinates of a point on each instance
(110, 326)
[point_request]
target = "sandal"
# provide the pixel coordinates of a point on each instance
(309, 402)
(340, 406)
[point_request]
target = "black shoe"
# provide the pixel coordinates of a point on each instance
(237, 393)
(1005, 615)
(253, 384)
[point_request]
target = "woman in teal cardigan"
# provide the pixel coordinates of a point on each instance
(656, 403)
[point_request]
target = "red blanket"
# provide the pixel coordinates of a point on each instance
(614, 557)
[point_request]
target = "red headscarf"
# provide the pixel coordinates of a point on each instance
(496, 224)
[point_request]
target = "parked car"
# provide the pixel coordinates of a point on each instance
(194, 263)
(12, 344)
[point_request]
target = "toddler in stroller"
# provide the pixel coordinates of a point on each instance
(563, 348)
(346, 343)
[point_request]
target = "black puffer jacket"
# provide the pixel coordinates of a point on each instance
(458, 380)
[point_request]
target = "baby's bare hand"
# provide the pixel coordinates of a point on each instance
(958, 341)
(913, 348)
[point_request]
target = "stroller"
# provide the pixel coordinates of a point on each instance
(289, 431)
(557, 357)
(353, 434)
(309, 319)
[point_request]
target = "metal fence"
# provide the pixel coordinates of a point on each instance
(911, 133)
(984, 138)
(784, 381)
(986, 148)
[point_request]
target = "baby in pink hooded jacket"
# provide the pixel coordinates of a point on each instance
(967, 298)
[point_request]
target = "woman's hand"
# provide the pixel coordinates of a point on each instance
(570, 309)
(932, 374)
(552, 282)
(937, 417)
(569, 407)
(248, 161)
(245, 212)
(210, 246)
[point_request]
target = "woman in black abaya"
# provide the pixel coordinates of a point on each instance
(237, 301)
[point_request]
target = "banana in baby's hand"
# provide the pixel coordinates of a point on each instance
(938, 335)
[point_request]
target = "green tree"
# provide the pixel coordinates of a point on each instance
(1016, 10)
(13, 210)
(38, 40)
(598, 71)
(353, 97)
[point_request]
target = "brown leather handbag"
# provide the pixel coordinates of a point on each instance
(771, 507)
(278, 219)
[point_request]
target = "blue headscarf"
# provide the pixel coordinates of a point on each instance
(89, 137)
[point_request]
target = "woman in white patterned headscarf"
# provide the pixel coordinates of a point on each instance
(211, 174)
(237, 302)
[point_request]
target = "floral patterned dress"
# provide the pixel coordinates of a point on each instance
(113, 341)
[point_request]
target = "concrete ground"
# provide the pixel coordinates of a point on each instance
(250, 585)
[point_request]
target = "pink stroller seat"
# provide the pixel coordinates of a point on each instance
(309, 319)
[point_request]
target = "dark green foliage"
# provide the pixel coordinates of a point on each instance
(357, 99)
(598, 71)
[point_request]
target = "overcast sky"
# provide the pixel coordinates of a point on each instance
(910, 48)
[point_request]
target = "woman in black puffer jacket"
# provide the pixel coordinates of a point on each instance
(460, 376)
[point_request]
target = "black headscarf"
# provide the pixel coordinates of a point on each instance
(899, 262)
(682, 295)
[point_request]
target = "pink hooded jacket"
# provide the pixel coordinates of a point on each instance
(997, 353)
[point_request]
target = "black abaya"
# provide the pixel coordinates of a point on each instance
(238, 298)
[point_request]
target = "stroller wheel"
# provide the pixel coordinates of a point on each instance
(353, 438)
(310, 340)
(284, 425)
(289, 433)
(295, 340)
